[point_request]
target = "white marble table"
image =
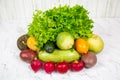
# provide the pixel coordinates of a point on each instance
(107, 67)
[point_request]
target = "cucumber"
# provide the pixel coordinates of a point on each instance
(59, 55)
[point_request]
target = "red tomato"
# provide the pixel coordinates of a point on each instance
(77, 65)
(49, 67)
(62, 67)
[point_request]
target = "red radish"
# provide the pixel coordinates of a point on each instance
(62, 67)
(77, 65)
(49, 67)
(36, 65)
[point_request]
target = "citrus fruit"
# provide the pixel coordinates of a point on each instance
(81, 46)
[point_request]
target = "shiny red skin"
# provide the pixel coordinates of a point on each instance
(27, 55)
(77, 66)
(62, 67)
(36, 65)
(49, 67)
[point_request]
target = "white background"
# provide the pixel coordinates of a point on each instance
(15, 15)
(23, 9)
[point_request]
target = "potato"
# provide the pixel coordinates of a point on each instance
(21, 42)
(28, 55)
(89, 59)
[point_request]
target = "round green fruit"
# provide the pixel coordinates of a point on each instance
(96, 43)
(65, 40)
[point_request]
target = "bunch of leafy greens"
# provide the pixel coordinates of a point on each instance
(46, 25)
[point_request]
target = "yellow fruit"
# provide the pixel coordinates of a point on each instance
(96, 43)
(31, 43)
(81, 46)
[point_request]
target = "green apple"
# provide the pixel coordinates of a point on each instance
(96, 43)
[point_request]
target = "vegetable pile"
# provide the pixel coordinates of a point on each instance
(60, 39)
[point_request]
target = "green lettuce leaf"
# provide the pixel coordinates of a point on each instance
(46, 25)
